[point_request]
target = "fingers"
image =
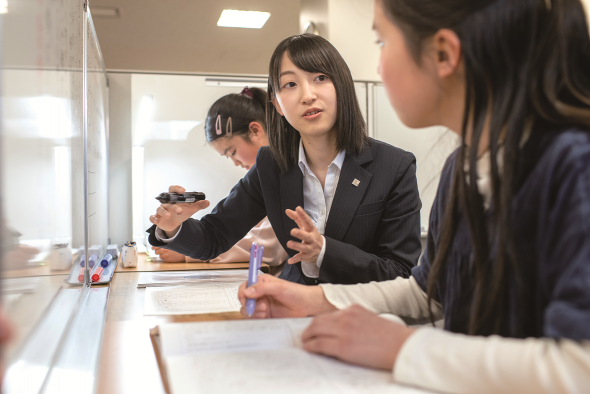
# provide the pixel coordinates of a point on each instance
(176, 189)
(300, 247)
(154, 220)
(324, 325)
(163, 213)
(265, 287)
(305, 236)
(301, 218)
(191, 208)
(305, 219)
(328, 346)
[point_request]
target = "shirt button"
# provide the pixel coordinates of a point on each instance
(323, 212)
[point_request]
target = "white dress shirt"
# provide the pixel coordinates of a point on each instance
(317, 201)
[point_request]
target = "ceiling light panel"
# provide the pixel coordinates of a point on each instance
(243, 19)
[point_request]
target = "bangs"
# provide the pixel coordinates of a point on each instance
(308, 54)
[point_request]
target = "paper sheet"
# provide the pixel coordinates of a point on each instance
(150, 279)
(259, 356)
(186, 300)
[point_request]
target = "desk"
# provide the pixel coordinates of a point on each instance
(128, 363)
(143, 265)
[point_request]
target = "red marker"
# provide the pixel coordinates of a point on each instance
(97, 274)
(81, 275)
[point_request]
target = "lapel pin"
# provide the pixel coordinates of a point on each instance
(356, 182)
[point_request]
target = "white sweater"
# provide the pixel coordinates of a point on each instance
(446, 362)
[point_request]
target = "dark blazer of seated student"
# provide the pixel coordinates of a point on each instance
(372, 232)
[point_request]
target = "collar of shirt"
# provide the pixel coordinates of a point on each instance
(338, 160)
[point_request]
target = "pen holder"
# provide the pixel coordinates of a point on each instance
(129, 255)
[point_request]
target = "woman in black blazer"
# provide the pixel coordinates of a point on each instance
(372, 231)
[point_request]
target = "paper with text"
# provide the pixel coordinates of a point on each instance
(186, 300)
(262, 357)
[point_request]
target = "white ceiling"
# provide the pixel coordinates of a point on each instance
(183, 36)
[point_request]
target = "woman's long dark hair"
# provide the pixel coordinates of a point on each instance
(244, 108)
(314, 54)
(526, 62)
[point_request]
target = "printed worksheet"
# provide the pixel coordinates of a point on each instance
(260, 356)
(192, 299)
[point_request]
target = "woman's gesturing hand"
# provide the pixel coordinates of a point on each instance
(357, 336)
(280, 298)
(169, 217)
(311, 240)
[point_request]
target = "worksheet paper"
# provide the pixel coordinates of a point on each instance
(192, 299)
(262, 357)
(151, 279)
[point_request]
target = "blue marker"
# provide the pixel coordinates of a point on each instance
(106, 260)
(255, 264)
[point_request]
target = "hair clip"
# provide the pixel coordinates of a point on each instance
(218, 125)
(548, 5)
(228, 133)
(247, 92)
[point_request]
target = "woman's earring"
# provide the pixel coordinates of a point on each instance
(228, 133)
(218, 125)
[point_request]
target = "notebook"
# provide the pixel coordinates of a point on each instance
(256, 356)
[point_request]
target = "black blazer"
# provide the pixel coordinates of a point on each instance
(372, 232)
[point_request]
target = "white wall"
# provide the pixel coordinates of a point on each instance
(350, 25)
(120, 158)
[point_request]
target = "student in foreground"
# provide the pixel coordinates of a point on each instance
(507, 263)
(248, 112)
(343, 206)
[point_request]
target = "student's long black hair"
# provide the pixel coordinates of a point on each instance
(526, 62)
(243, 108)
(314, 54)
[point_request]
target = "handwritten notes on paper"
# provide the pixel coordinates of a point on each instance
(186, 300)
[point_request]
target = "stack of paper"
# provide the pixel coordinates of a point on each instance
(258, 356)
(151, 279)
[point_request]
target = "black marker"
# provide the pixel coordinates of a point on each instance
(176, 198)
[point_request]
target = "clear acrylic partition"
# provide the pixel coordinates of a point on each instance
(431, 146)
(97, 134)
(169, 145)
(53, 177)
(41, 157)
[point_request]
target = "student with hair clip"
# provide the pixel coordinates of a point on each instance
(241, 146)
(345, 208)
(507, 263)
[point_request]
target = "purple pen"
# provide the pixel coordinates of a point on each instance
(255, 263)
(91, 261)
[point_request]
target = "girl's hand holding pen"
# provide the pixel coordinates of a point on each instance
(311, 240)
(169, 217)
(280, 298)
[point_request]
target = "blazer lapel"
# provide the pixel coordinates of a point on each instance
(352, 185)
(291, 186)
